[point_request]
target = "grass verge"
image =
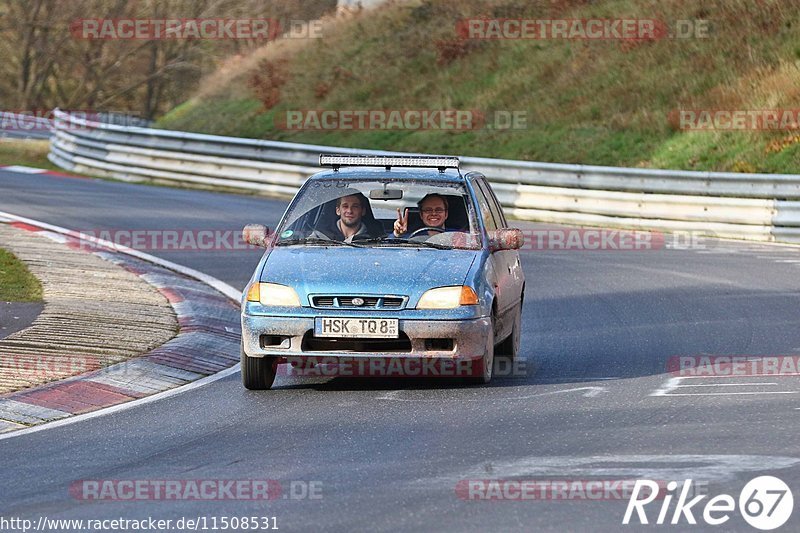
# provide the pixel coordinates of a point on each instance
(17, 284)
(605, 102)
(26, 152)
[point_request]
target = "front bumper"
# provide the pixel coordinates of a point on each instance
(426, 339)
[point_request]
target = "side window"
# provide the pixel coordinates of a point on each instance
(494, 205)
(485, 206)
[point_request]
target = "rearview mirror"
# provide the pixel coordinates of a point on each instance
(386, 194)
(506, 239)
(257, 235)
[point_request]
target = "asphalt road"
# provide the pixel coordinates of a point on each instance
(596, 400)
(16, 316)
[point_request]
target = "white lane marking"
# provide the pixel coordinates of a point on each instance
(668, 386)
(775, 258)
(725, 385)
(591, 392)
(391, 395)
(675, 383)
(728, 393)
(23, 169)
(570, 380)
(219, 285)
(594, 391)
(664, 467)
(57, 237)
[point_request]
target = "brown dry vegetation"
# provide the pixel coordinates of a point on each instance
(45, 65)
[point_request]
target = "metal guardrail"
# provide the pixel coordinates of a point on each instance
(749, 206)
(32, 125)
(24, 126)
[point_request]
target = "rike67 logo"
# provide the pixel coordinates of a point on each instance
(765, 503)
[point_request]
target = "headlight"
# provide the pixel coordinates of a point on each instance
(447, 298)
(273, 294)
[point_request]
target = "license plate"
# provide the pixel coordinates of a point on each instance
(380, 328)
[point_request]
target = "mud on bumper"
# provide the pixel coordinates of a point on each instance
(293, 337)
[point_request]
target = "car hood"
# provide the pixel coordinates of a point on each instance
(377, 271)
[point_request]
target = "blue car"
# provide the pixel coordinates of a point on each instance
(384, 266)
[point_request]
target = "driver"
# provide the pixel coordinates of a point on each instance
(350, 225)
(432, 211)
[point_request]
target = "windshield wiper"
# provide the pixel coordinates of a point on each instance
(400, 240)
(317, 240)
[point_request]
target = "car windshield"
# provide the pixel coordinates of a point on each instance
(328, 211)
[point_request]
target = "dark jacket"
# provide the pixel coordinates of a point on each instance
(334, 233)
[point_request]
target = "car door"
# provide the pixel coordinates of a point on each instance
(512, 256)
(506, 290)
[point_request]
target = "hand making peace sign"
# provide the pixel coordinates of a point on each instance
(401, 224)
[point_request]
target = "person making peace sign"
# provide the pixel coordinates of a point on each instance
(433, 212)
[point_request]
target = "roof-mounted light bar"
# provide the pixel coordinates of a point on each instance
(388, 161)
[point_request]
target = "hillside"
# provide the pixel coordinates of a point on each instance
(607, 102)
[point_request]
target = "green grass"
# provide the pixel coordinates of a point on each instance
(26, 152)
(591, 102)
(17, 284)
(32, 153)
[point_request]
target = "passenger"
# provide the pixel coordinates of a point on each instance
(350, 225)
(433, 213)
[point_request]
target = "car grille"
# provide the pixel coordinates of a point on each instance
(370, 302)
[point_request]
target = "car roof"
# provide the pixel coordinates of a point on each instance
(395, 174)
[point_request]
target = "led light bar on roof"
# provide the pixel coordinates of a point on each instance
(336, 161)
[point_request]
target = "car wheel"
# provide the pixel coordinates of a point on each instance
(509, 348)
(258, 373)
(484, 374)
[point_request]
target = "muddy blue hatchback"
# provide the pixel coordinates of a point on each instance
(385, 265)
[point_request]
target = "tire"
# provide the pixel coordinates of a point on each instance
(487, 361)
(258, 373)
(509, 348)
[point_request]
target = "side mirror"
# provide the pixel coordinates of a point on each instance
(257, 235)
(506, 239)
